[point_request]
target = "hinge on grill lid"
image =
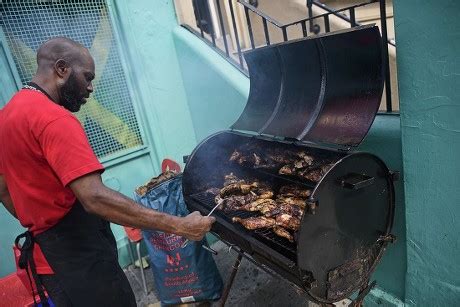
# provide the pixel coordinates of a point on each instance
(395, 175)
(311, 205)
(389, 238)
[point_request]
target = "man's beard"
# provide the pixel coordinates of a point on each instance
(71, 98)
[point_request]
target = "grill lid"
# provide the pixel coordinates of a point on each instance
(325, 89)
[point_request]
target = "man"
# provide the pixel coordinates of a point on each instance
(50, 180)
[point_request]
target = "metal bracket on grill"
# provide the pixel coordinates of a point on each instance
(311, 205)
(354, 181)
(387, 238)
(395, 175)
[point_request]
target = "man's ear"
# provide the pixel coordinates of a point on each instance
(62, 68)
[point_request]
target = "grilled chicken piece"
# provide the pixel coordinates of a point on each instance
(300, 164)
(287, 170)
(316, 174)
(294, 191)
(238, 188)
(235, 155)
(265, 194)
(264, 191)
(230, 178)
(258, 204)
(306, 157)
(299, 202)
(238, 157)
(280, 231)
(304, 161)
(255, 222)
(283, 208)
(234, 202)
(281, 156)
(288, 221)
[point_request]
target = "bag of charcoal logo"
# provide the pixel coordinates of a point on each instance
(181, 275)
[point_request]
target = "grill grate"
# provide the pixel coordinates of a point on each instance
(264, 235)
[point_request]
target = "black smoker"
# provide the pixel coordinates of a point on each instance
(318, 95)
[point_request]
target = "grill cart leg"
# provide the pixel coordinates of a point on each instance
(229, 284)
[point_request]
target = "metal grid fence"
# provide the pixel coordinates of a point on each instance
(109, 117)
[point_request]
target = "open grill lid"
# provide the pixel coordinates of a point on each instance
(325, 90)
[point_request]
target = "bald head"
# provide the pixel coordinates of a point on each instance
(65, 71)
(61, 48)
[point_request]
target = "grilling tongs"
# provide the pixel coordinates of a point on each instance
(184, 244)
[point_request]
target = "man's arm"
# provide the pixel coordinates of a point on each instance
(100, 200)
(5, 197)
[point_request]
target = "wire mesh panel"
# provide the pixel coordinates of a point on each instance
(109, 117)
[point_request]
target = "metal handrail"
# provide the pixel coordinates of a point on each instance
(248, 7)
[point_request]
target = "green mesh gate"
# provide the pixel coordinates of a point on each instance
(109, 117)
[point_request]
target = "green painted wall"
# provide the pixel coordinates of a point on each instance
(384, 140)
(428, 37)
(147, 27)
(217, 93)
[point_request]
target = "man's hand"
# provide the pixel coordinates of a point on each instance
(195, 226)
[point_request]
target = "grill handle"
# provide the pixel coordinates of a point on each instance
(354, 181)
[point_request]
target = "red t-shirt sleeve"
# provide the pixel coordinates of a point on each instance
(67, 150)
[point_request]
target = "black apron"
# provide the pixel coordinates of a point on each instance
(82, 252)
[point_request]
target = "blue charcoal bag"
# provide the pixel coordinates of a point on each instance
(181, 275)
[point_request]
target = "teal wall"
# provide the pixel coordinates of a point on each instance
(147, 27)
(428, 37)
(384, 140)
(217, 93)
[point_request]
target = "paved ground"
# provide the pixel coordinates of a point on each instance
(252, 286)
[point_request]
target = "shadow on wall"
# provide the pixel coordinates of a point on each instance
(384, 140)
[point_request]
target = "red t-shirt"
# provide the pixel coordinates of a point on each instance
(43, 147)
